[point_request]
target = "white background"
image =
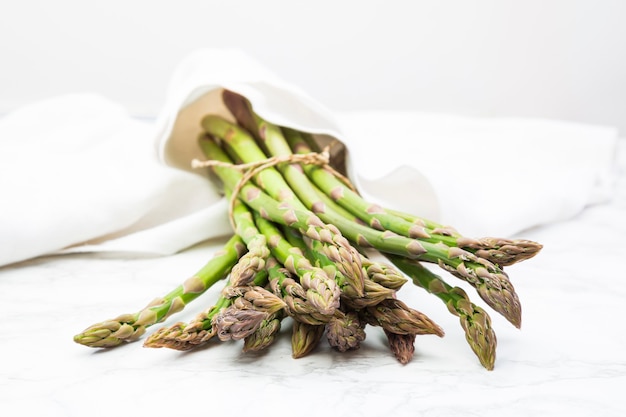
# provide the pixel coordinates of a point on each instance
(555, 59)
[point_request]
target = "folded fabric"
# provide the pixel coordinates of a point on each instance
(77, 168)
(77, 173)
(490, 177)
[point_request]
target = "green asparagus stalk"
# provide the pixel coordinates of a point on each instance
(186, 336)
(182, 336)
(428, 224)
(130, 327)
(501, 251)
(475, 321)
(254, 260)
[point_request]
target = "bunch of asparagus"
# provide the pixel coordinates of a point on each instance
(308, 248)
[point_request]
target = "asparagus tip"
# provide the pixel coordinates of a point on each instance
(402, 346)
(108, 334)
(179, 336)
(304, 338)
(345, 332)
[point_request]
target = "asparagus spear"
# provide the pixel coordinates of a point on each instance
(185, 336)
(130, 327)
(501, 251)
(475, 321)
(254, 260)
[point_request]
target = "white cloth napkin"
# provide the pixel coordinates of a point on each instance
(78, 170)
(77, 173)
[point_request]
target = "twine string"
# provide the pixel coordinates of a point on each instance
(251, 169)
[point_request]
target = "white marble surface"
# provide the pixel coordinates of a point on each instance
(569, 358)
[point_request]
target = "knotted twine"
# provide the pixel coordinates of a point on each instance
(251, 169)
